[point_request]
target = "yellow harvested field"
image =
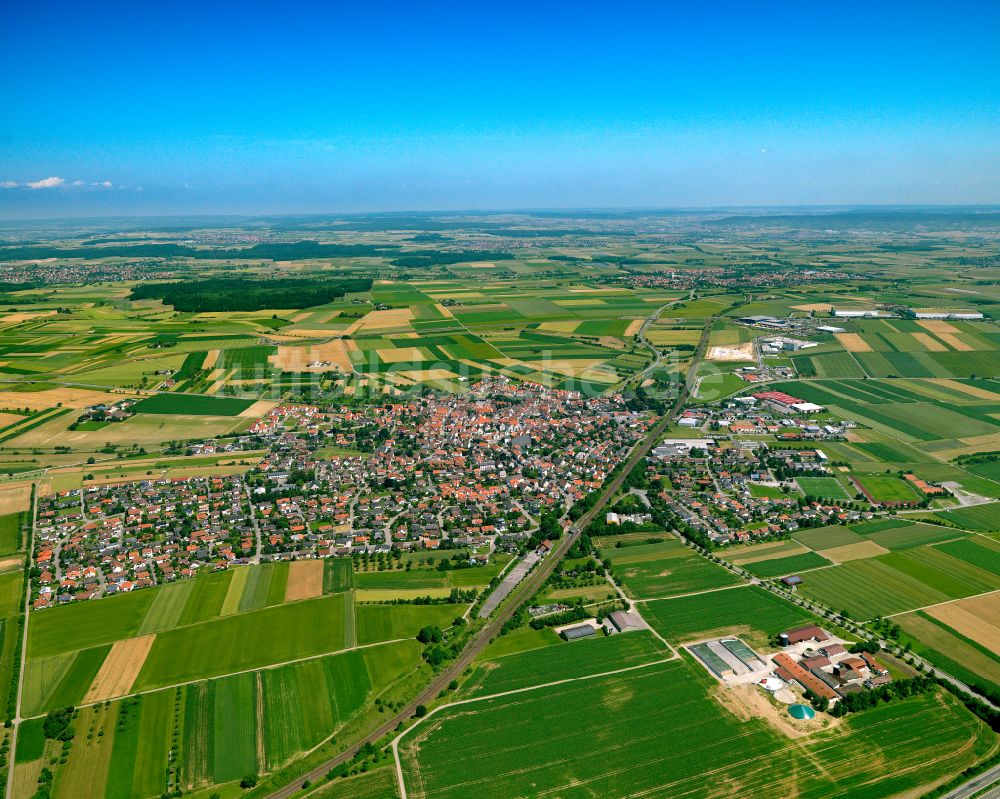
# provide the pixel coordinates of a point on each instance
(402, 355)
(444, 310)
(211, 358)
(15, 498)
(304, 332)
(571, 368)
(819, 307)
(7, 419)
(956, 343)
(333, 353)
(733, 352)
(305, 580)
(633, 327)
(77, 398)
(757, 557)
(863, 549)
(562, 326)
(383, 320)
(929, 343)
(301, 316)
(428, 374)
(966, 388)
(389, 594)
(25, 316)
(9, 564)
(977, 617)
(937, 326)
(234, 593)
(988, 442)
(853, 342)
(119, 669)
(259, 408)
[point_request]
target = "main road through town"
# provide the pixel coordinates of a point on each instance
(523, 592)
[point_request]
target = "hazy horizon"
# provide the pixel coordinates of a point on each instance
(122, 110)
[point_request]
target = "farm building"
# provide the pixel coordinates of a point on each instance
(783, 343)
(765, 321)
(577, 632)
(968, 316)
(786, 403)
(619, 622)
(728, 657)
(799, 634)
(790, 671)
(792, 580)
(857, 313)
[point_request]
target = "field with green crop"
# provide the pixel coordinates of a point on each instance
(665, 569)
(887, 488)
(660, 728)
(981, 518)
(563, 661)
(825, 487)
(899, 581)
(780, 567)
(748, 609)
(192, 405)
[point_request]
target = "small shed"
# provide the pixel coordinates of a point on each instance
(575, 633)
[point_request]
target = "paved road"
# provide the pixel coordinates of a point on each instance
(977, 784)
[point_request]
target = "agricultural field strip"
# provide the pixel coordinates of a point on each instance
(408, 730)
(946, 602)
(269, 667)
(693, 593)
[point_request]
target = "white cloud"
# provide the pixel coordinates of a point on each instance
(46, 183)
(77, 182)
(7, 184)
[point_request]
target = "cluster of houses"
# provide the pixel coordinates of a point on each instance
(112, 539)
(475, 470)
(766, 413)
(115, 412)
(711, 488)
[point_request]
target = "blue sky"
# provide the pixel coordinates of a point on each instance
(252, 107)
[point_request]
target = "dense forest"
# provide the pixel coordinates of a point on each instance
(248, 295)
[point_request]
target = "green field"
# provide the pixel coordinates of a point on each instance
(665, 569)
(825, 487)
(911, 535)
(897, 582)
(245, 641)
(192, 405)
(828, 537)
(887, 488)
(389, 622)
(564, 660)
(981, 518)
(379, 784)
(10, 526)
(660, 729)
(780, 567)
(745, 608)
